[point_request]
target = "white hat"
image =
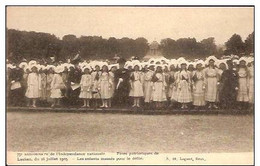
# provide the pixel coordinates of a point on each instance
(149, 65)
(137, 64)
(183, 61)
(34, 65)
(23, 64)
(26, 68)
(101, 64)
(151, 60)
(173, 62)
(243, 59)
(32, 62)
(48, 67)
(157, 65)
(128, 64)
(93, 64)
(212, 57)
(113, 65)
(200, 62)
(180, 59)
(10, 66)
(222, 61)
(87, 67)
(59, 69)
(236, 61)
(191, 63)
(250, 59)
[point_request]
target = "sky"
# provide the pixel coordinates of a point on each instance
(152, 23)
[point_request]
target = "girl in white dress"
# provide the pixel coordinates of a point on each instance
(95, 75)
(166, 77)
(33, 86)
(198, 86)
(136, 85)
(148, 85)
(112, 70)
(49, 78)
(86, 85)
(184, 86)
(56, 85)
(211, 83)
(104, 85)
(242, 93)
(159, 84)
(173, 85)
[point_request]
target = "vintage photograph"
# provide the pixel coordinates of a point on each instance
(130, 85)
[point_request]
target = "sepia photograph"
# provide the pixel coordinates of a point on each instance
(130, 85)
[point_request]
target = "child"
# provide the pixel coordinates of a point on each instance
(43, 77)
(159, 84)
(172, 83)
(95, 75)
(242, 94)
(104, 86)
(211, 82)
(56, 85)
(148, 85)
(136, 85)
(183, 86)
(198, 86)
(33, 86)
(166, 77)
(112, 70)
(86, 85)
(49, 78)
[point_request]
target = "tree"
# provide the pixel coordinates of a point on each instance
(70, 47)
(249, 43)
(141, 47)
(168, 46)
(235, 45)
(208, 45)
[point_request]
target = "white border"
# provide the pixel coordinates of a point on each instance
(127, 2)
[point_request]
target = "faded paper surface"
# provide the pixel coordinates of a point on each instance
(126, 158)
(153, 24)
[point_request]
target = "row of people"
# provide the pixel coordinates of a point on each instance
(159, 81)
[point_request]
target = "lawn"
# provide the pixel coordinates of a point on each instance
(106, 132)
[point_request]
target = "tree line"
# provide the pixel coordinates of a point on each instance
(38, 45)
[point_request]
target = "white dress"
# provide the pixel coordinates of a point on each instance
(173, 88)
(148, 86)
(105, 85)
(95, 81)
(211, 75)
(112, 89)
(251, 84)
(242, 94)
(33, 86)
(85, 85)
(137, 84)
(48, 86)
(183, 87)
(56, 85)
(159, 93)
(198, 89)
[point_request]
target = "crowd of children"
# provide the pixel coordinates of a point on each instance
(153, 84)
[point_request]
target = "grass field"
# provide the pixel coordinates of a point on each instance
(56, 131)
